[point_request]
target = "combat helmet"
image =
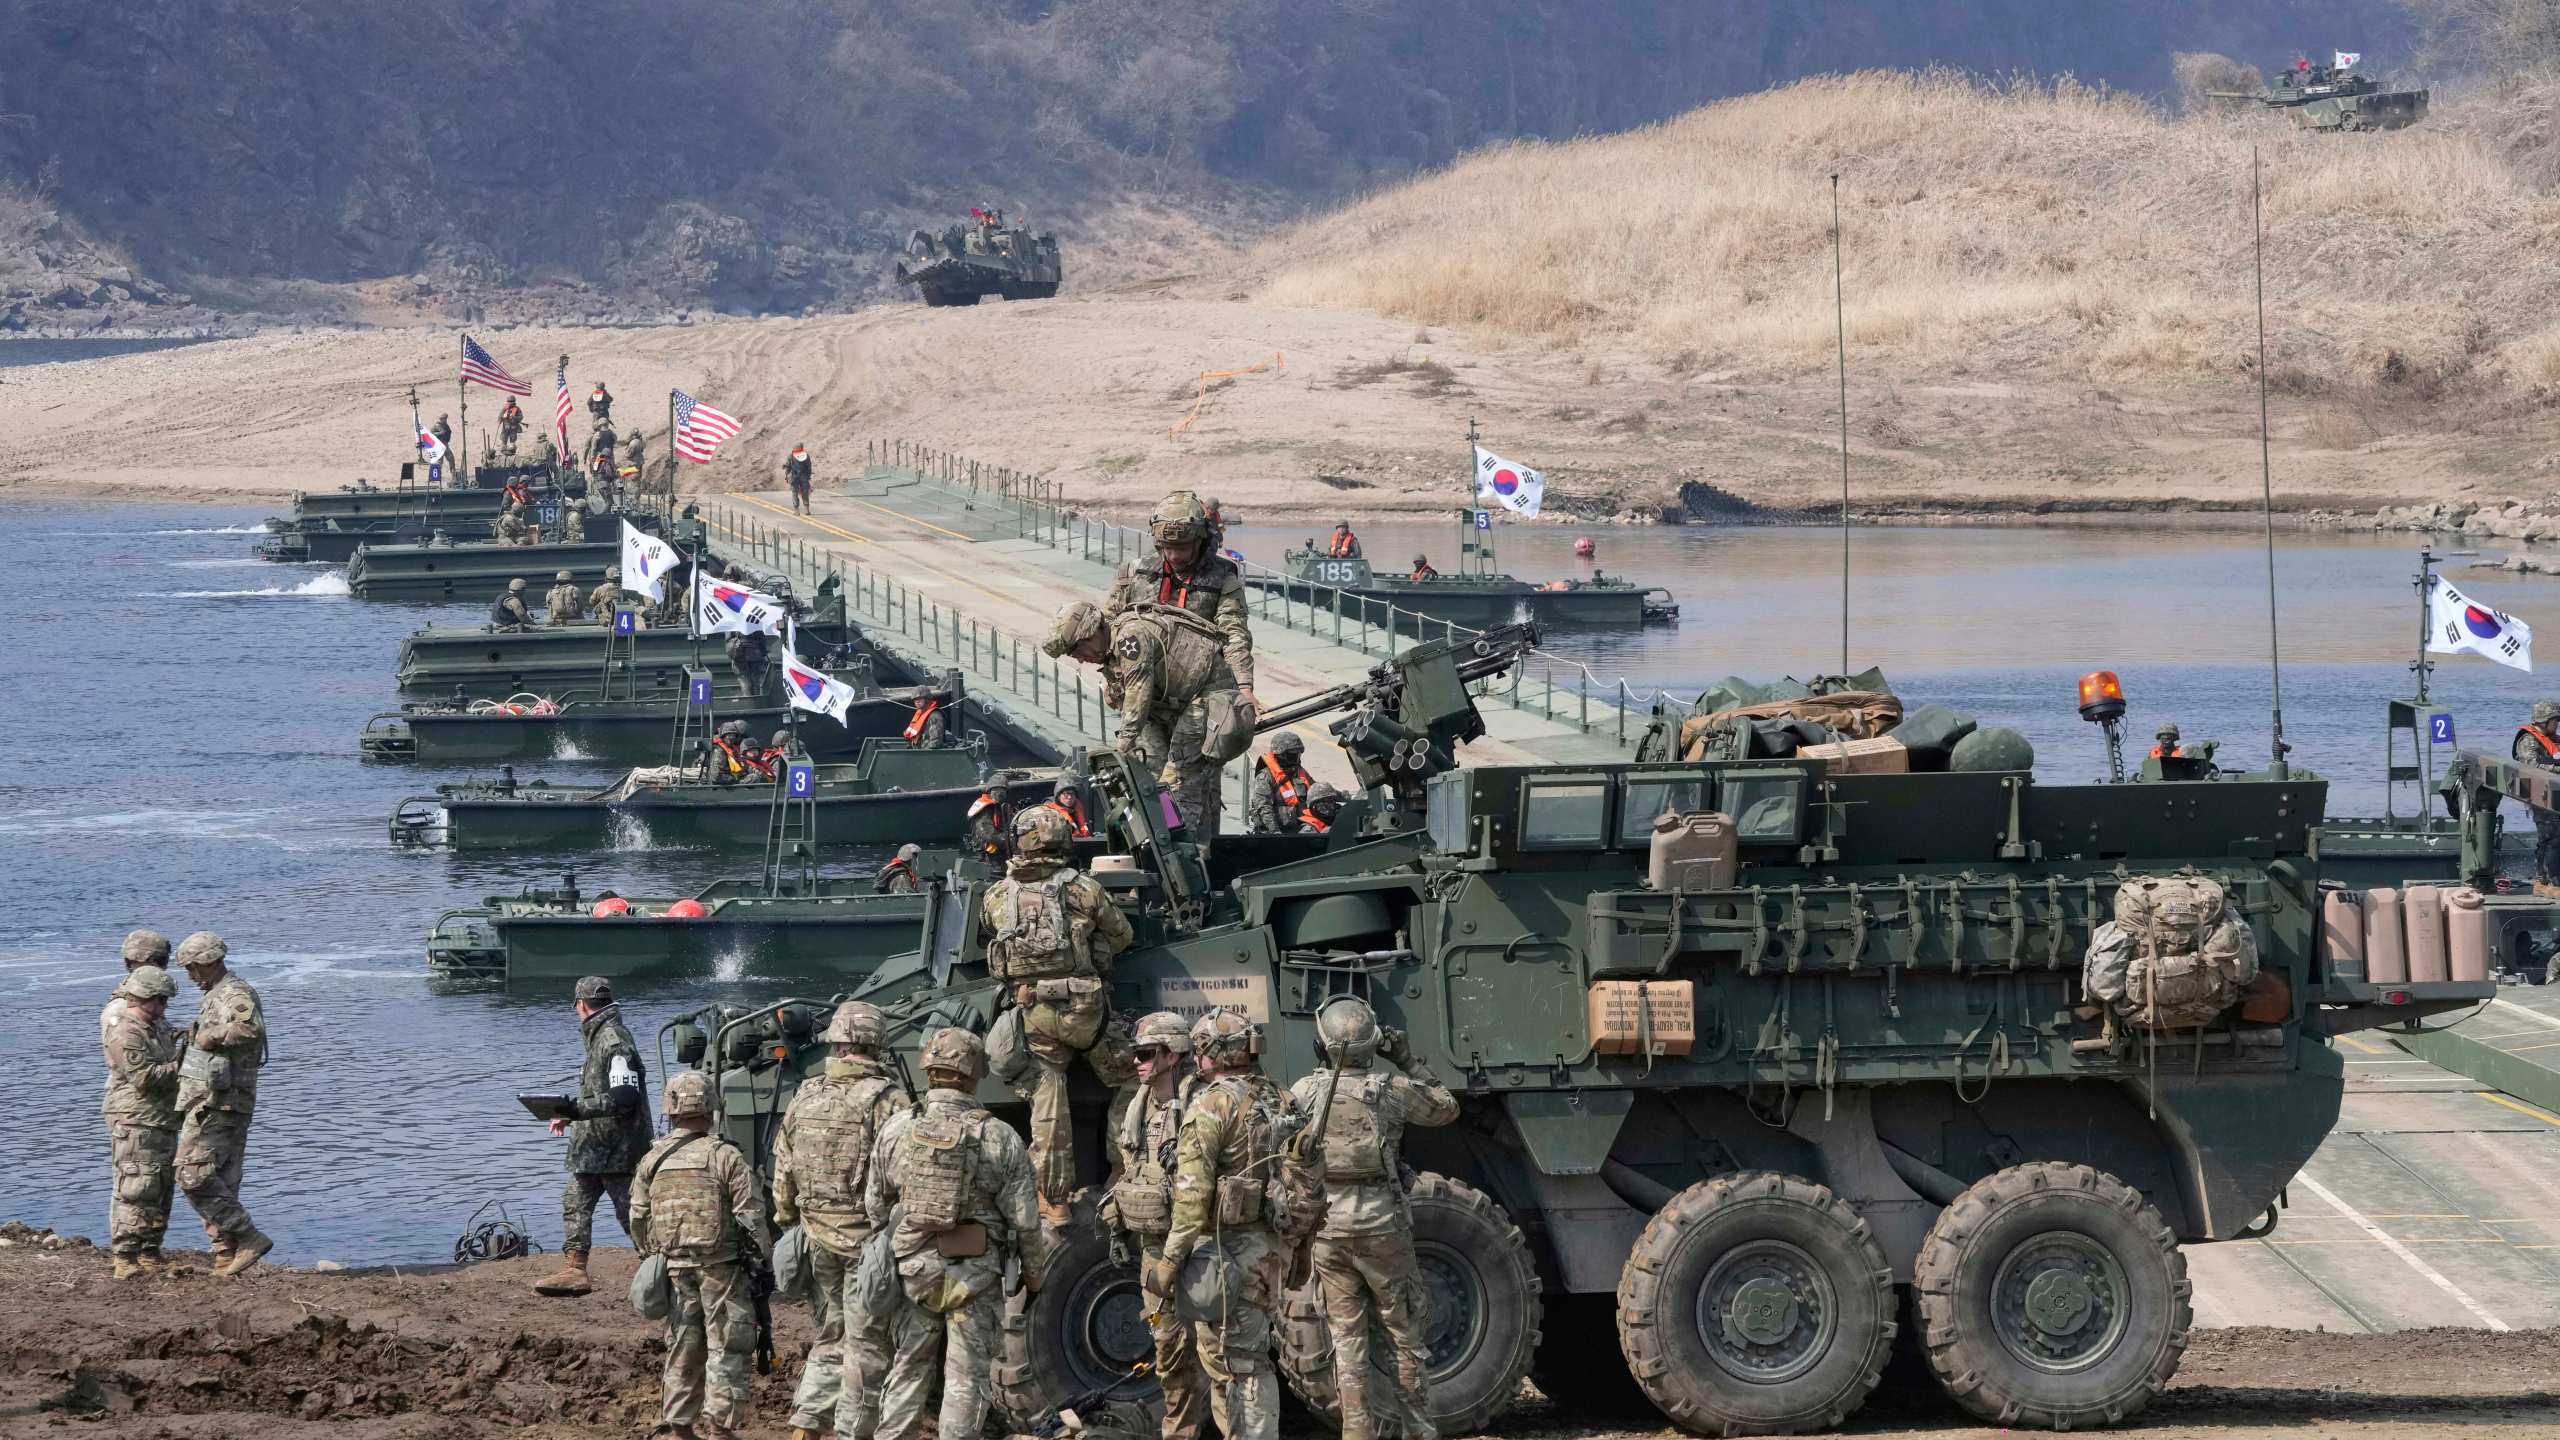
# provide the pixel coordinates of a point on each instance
(516, 586)
(1346, 1027)
(1075, 624)
(1180, 519)
(202, 948)
(145, 947)
(149, 982)
(1224, 1037)
(733, 729)
(1288, 742)
(688, 1094)
(1420, 559)
(613, 572)
(1163, 1029)
(561, 576)
(954, 1051)
(858, 1023)
(1040, 832)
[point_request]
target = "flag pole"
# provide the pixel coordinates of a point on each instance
(417, 425)
(462, 404)
(671, 458)
(1468, 543)
(2266, 470)
(1840, 333)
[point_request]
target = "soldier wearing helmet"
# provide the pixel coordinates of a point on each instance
(1422, 568)
(956, 1182)
(1141, 1207)
(734, 758)
(695, 1201)
(218, 1094)
(607, 1134)
(573, 521)
(1276, 793)
(1051, 934)
(142, 1115)
(507, 612)
(1343, 545)
(821, 1165)
(562, 606)
(1174, 687)
(1187, 573)
(1363, 1252)
(609, 596)
(1226, 1162)
(899, 876)
(141, 947)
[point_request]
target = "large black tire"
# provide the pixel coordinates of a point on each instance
(2053, 1295)
(1081, 1333)
(1756, 1304)
(1579, 1365)
(1484, 1316)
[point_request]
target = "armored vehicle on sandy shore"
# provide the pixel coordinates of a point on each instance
(963, 264)
(1765, 1063)
(2333, 97)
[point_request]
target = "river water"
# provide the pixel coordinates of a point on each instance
(184, 758)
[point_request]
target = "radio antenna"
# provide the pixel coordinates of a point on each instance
(2266, 466)
(1840, 333)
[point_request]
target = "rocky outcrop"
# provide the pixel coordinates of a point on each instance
(2506, 519)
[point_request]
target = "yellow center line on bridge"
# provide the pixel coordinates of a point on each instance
(991, 594)
(2360, 1045)
(910, 519)
(2520, 1107)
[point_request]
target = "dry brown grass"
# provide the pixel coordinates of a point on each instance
(2006, 231)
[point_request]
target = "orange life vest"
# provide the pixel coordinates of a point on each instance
(743, 762)
(1344, 543)
(1074, 812)
(1280, 782)
(924, 712)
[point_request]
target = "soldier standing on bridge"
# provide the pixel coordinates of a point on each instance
(796, 471)
(510, 425)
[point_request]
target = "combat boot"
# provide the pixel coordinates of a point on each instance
(803, 1432)
(245, 1254)
(126, 1267)
(569, 1279)
(153, 1262)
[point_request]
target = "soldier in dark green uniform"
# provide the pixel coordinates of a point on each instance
(606, 1140)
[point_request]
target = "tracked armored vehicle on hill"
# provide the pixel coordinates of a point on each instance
(1757, 1058)
(963, 264)
(2333, 97)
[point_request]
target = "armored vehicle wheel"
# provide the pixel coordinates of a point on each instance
(1578, 1365)
(1082, 1333)
(1756, 1304)
(1483, 1297)
(2052, 1295)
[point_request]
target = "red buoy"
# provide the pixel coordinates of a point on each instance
(1584, 548)
(611, 905)
(685, 909)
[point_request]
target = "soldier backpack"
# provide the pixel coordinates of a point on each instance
(1035, 936)
(937, 1158)
(2182, 954)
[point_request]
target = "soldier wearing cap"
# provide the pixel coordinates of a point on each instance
(1363, 1253)
(562, 606)
(141, 947)
(1227, 1161)
(142, 1118)
(821, 1169)
(955, 1182)
(607, 1135)
(1051, 935)
(695, 1199)
(1141, 1204)
(217, 1095)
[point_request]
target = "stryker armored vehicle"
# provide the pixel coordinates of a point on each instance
(966, 263)
(892, 793)
(2333, 97)
(1756, 1057)
(477, 570)
(634, 727)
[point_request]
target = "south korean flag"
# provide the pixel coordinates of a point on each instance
(2457, 624)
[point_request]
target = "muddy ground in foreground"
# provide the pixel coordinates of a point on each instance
(462, 1354)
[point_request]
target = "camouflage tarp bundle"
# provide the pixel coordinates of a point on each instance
(1737, 719)
(2175, 956)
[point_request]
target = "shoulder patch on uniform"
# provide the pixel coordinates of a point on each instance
(1130, 647)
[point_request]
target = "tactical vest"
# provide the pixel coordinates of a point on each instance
(1035, 936)
(688, 1206)
(1177, 618)
(1151, 1133)
(937, 1163)
(1355, 1141)
(832, 1127)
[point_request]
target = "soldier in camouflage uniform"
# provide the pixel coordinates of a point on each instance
(142, 1119)
(1142, 1204)
(821, 1170)
(1189, 574)
(510, 529)
(1165, 666)
(507, 612)
(608, 596)
(141, 947)
(1226, 1161)
(562, 606)
(1051, 934)
(573, 521)
(218, 1093)
(607, 1137)
(956, 1182)
(696, 1199)
(1277, 792)
(1364, 1252)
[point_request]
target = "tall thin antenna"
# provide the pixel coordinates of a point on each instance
(1840, 331)
(2266, 465)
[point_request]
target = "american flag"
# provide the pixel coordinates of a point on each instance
(700, 429)
(560, 412)
(479, 369)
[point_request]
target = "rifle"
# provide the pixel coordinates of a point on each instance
(1307, 1148)
(758, 1263)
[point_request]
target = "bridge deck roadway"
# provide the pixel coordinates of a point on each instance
(947, 577)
